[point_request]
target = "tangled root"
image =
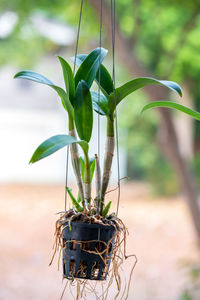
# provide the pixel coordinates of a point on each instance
(80, 288)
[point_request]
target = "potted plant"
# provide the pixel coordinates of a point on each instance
(88, 234)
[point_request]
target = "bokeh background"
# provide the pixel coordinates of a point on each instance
(159, 150)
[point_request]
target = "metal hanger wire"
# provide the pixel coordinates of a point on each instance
(113, 24)
(76, 51)
(99, 89)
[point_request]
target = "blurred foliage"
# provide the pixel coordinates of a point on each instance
(195, 165)
(165, 37)
(192, 290)
(25, 45)
(164, 34)
(144, 158)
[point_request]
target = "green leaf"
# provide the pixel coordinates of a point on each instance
(33, 76)
(92, 167)
(55, 143)
(106, 82)
(79, 59)
(65, 101)
(79, 197)
(106, 209)
(136, 84)
(30, 75)
(83, 111)
(194, 114)
(68, 78)
(88, 69)
(100, 105)
(74, 201)
(82, 162)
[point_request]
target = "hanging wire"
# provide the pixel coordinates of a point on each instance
(113, 21)
(78, 34)
(99, 90)
(76, 51)
(66, 177)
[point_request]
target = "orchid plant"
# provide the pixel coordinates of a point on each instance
(79, 102)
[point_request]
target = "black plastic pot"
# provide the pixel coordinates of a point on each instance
(78, 242)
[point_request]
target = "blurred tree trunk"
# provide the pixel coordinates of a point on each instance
(184, 125)
(167, 135)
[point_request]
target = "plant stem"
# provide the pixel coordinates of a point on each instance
(108, 158)
(87, 180)
(76, 161)
(70, 123)
(98, 184)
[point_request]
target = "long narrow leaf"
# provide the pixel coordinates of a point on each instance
(68, 78)
(83, 111)
(74, 201)
(106, 209)
(92, 167)
(30, 75)
(138, 83)
(79, 197)
(98, 109)
(33, 76)
(106, 82)
(194, 114)
(88, 69)
(82, 162)
(65, 100)
(55, 143)
(79, 59)
(100, 105)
